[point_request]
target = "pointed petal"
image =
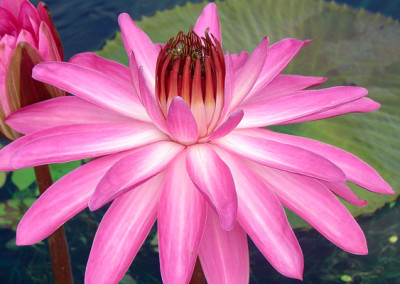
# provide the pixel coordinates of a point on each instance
(228, 126)
(298, 105)
(343, 191)
(214, 179)
(181, 123)
(262, 216)
(63, 200)
(279, 56)
(47, 45)
(84, 141)
(318, 206)
(147, 97)
(359, 105)
(284, 85)
(239, 59)
(229, 89)
(63, 111)
(282, 156)
(247, 76)
(224, 255)
(13, 6)
(208, 19)
(134, 169)
(116, 71)
(356, 170)
(137, 41)
(122, 232)
(91, 85)
(181, 218)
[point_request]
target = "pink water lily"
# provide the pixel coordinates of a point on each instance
(27, 36)
(178, 139)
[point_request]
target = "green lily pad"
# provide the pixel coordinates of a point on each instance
(12, 210)
(350, 47)
(23, 178)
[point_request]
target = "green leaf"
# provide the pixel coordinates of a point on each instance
(350, 47)
(60, 170)
(23, 178)
(12, 210)
(3, 177)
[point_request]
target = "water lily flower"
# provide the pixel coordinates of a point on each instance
(178, 137)
(27, 36)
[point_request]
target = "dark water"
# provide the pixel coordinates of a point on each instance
(84, 25)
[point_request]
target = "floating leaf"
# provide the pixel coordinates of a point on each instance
(351, 47)
(12, 210)
(3, 177)
(23, 178)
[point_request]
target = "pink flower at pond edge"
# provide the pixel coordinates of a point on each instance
(27, 36)
(179, 139)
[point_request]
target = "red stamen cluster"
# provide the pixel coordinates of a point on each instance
(194, 69)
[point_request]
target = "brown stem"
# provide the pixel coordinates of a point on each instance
(198, 274)
(62, 273)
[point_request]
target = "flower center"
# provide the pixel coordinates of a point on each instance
(194, 69)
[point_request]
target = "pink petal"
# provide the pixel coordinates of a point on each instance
(224, 255)
(247, 76)
(356, 170)
(91, 85)
(279, 56)
(343, 191)
(63, 111)
(137, 41)
(228, 126)
(229, 86)
(84, 141)
(282, 156)
(180, 122)
(8, 23)
(262, 216)
(122, 232)
(359, 105)
(298, 105)
(317, 205)
(147, 97)
(284, 85)
(133, 170)
(239, 59)
(63, 200)
(214, 180)
(47, 45)
(208, 19)
(116, 71)
(181, 219)
(13, 6)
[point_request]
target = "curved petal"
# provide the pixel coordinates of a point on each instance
(133, 170)
(282, 156)
(318, 206)
(147, 97)
(91, 85)
(84, 141)
(343, 191)
(356, 170)
(47, 45)
(228, 126)
(359, 105)
(181, 219)
(116, 71)
(279, 56)
(262, 216)
(13, 6)
(239, 59)
(63, 200)
(298, 105)
(229, 86)
(214, 180)
(284, 85)
(247, 76)
(137, 41)
(224, 255)
(208, 19)
(181, 123)
(122, 232)
(63, 111)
